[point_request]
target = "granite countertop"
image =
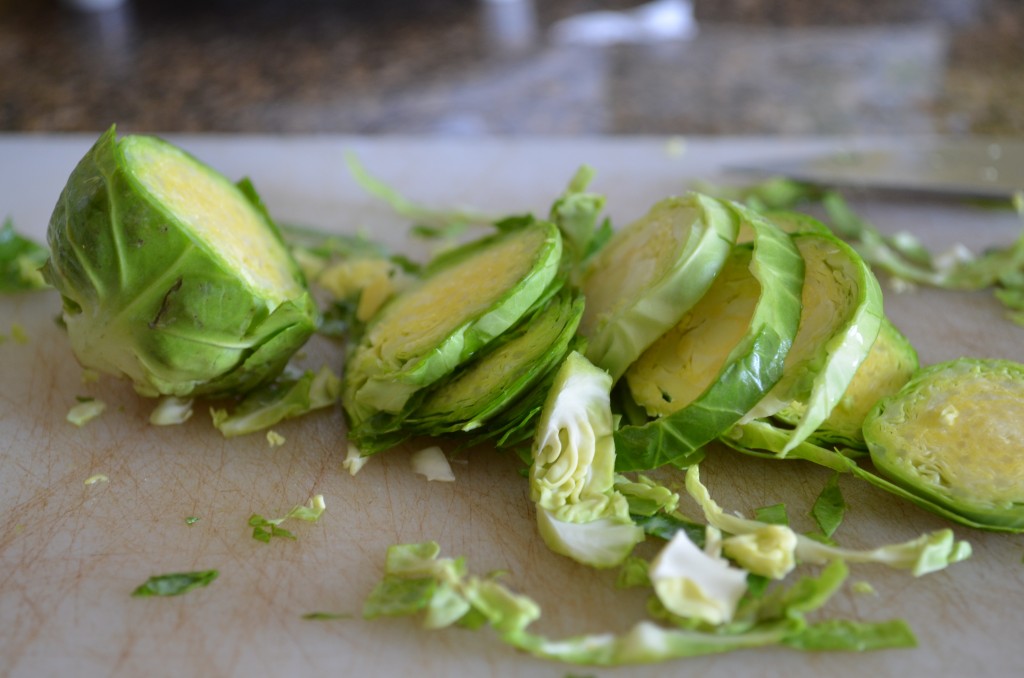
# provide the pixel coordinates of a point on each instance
(515, 67)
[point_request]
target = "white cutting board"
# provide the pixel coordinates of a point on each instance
(71, 553)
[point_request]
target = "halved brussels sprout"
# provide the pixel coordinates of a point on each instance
(171, 275)
(650, 273)
(891, 362)
(839, 321)
(954, 434)
(721, 358)
(466, 300)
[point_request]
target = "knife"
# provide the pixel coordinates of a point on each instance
(968, 167)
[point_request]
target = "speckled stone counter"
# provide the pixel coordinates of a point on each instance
(472, 67)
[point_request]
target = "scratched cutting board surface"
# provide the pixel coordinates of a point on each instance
(71, 553)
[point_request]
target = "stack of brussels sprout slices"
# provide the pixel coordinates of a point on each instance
(717, 322)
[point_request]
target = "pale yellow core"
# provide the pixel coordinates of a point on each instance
(214, 212)
(638, 255)
(687, 359)
(416, 321)
(966, 437)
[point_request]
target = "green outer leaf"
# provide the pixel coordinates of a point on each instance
(893, 420)
(751, 369)
(619, 330)
(175, 584)
(373, 386)
(819, 379)
(145, 300)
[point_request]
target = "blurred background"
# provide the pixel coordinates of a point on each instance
(514, 67)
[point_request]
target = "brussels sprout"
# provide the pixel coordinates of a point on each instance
(891, 362)
(580, 514)
(649, 274)
(466, 299)
(172, 276)
(953, 434)
(722, 357)
(839, 321)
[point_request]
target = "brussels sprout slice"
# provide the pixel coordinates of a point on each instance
(171, 275)
(840, 317)
(954, 435)
(890, 363)
(721, 358)
(790, 222)
(650, 273)
(493, 380)
(463, 303)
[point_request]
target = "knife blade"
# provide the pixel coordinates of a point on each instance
(971, 167)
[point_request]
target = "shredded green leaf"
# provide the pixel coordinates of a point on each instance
(829, 507)
(263, 529)
(773, 515)
(175, 584)
(327, 616)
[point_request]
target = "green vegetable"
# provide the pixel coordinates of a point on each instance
(466, 300)
(20, 261)
(285, 398)
(432, 463)
(502, 373)
(171, 411)
(175, 584)
(1000, 268)
(840, 318)
(953, 435)
(928, 553)
(416, 581)
(18, 334)
(263, 529)
(576, 213)
(172, 276)
(326, 616)
(693, 583)
(722, 357)
(84, 411)
(890, 363)
(650, 273)
(829, 507)
(580, 514)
